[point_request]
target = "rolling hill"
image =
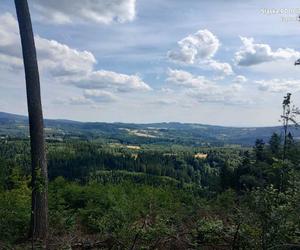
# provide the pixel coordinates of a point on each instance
(16, 126)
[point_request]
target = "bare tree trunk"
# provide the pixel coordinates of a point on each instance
(39, 216)
(285, 129)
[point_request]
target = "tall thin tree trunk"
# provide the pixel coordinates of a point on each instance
(285, 129)
(39, 216)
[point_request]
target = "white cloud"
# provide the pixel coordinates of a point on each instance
(90, 97)
(226, 95)
(61, 60)
(279, 85)
(186, 79)
(204, 90)
(255, 53)
(10, 52)
(199, 49)
(99, 96)
(9, 34)
(58, 62)
(103, 79)
(199, 46)
(101, 11)
(240, 79)
(54, 58)
(222, 68)
(10, 62)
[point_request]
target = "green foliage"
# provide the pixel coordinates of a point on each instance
(125, 212)
(158, 197)
(275, 144)
(15, 210)
(273, 217)
(209, 231)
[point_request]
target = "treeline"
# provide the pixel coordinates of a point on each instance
(273, 163)
(223, 168)
(237, 168)
(80, 161)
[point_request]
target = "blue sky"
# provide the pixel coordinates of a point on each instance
(213, 62)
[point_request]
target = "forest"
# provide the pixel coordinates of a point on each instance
(111, 196)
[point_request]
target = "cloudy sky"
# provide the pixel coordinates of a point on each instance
(214, 62)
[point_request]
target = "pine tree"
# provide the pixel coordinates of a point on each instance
(39, 182)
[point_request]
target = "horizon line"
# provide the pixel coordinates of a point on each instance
(146, 123)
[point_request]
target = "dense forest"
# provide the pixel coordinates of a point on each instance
(113, 196)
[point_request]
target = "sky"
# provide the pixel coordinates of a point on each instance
(221, 62)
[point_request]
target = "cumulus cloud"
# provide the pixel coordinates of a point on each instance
(61, 60)
(186, 79)
(104, 11)
(103, 79)
(90, 97)
(252, 53)
(54, 58)
(201, 45)
(10, 53)
(240, 79)
(8, 33)
(199, 49)
(279, 85)
(63, 64)
(222, 68)
(204, 90)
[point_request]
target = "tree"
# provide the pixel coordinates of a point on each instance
(275, 142)
(259, 150)
(39, 181)
(226, 176)
(288, 115)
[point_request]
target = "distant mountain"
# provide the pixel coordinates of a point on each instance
(16, 126)
(11, 118)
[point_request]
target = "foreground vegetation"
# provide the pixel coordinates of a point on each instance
(156, 197)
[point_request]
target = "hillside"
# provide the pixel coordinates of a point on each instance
(16, 126)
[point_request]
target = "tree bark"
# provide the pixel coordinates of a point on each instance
(39, 182)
